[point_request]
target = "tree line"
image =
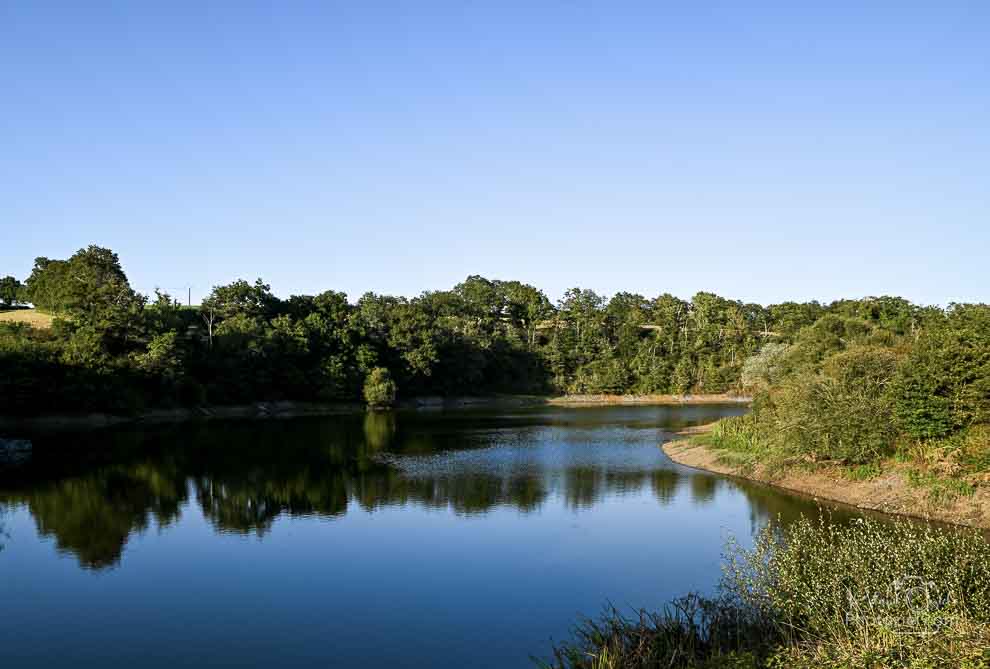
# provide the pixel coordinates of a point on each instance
(111, 348)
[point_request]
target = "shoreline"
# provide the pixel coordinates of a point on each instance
(890, 493)
(605, 400)
(291, 409)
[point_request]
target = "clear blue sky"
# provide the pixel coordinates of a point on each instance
(764, 151)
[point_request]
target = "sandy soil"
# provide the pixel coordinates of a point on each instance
(888, 493)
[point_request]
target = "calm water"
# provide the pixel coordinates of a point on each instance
(427, 539)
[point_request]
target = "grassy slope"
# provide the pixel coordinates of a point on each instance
(32, 317)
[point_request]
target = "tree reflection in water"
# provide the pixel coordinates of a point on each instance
(243, 476)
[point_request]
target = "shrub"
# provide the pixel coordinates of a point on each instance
(843, 414)
(379, 388)
(869, 593)
(765, 368)
(944, 385)
(828, 335)
(920, 409)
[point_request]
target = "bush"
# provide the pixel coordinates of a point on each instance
(764, 369)
(920, 409)
(843, 414)
(944, 385)
(379, 388)
(828, 335)
(869, 593)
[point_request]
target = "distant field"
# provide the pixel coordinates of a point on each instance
(32, 317)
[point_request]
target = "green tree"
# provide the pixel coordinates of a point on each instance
(526, 307)
(164, 314)
(684, 375)
(379, 388)
(764, 369)
(46, 287)
(944, 384)
(10, 291)
(786, 319)
(91, 292)
(161, 359)
(239, 298)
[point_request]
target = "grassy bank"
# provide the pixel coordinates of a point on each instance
(892, 488)
(816, 595)
(945, 479)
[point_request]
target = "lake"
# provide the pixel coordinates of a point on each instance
(407, 539)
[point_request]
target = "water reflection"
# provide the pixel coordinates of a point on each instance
(664, 485)
(703, 489)
(244, 476)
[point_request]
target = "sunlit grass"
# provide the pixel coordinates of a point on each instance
(32, 317)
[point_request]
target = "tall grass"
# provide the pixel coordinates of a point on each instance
(816, 594)
(745, 442)
(692, 631)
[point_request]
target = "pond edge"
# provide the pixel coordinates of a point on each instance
(889, 493)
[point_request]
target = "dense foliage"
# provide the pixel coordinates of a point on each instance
(814, 595)
(898, 386)
(111, 348)
(10, 291)
(379, 389)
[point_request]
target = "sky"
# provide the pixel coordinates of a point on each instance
(762, 151)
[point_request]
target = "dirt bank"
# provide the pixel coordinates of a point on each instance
(575, 400)
(888, 493)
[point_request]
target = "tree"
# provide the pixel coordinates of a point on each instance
(892, 313)
(161, 358)
(338, 357)
(765, 368)
(787, 318)
(526, 307)
(46, 287)
(90, 290)
(164, 314)
(683, 377)
(828, 335)
(242, 298)
(944, 384)
(239, 298)
(10, 291)
(379, 388)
